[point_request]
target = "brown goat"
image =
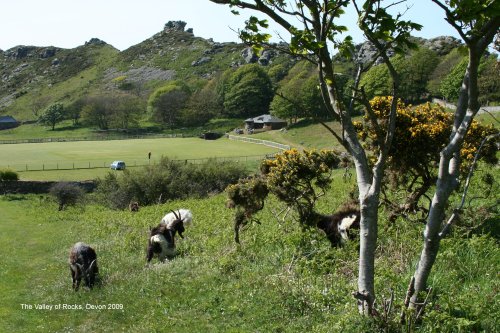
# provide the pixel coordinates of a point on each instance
(133, 206)
(83, 263)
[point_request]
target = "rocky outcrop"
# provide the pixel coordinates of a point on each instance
(249, 55)
(175, 26)
(95, 41)
(442, 45)
(22, 52)
(201, 61)
(265, 57)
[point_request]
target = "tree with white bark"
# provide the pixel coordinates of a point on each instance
(315, 37)
(477, 22)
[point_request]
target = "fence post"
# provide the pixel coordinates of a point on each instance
(26, 167)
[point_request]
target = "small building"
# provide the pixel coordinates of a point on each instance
(266, 122)
(7, 122)
(210, 135)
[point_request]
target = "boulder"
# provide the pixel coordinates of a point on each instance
(174, 26)
(249, 55)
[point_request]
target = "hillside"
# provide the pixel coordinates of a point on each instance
(33, 77)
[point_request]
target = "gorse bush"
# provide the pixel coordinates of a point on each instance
(8, 175)
(168, 180)
(421, 133)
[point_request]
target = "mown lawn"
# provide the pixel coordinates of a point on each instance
(92, 158)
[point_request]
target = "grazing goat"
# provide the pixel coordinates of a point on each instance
(162, 238)
(133, 206)
(183, 214)
(337, 226)
(83, 263)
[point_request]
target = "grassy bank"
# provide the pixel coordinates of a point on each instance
(280, 279)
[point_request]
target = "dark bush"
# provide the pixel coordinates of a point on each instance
(67, 194)
(168, 180)
(8, 175)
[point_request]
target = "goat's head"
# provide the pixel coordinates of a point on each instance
(83, 264)
(178, 224)
(346, 223)
(88, 274)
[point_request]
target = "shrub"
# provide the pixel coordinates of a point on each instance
(421, 133)
(168, 180)
(66, 194)
(8, 175)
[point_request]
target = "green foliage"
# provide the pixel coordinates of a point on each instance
(376, 82)
(299, 95)
(247, 197)
(489, 80)
(299, 179)
(52, 115)
(246, 91)
(450, 86)
(444, 67)
(95, 111)
(167, 180)
(8, 175)
(165, 104)
(414, 70)
(66, 194)
(202, 106)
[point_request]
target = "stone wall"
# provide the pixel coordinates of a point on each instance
(38, 187)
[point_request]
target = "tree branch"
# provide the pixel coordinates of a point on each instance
(457, 210)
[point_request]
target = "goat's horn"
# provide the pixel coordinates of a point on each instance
(176, 216)
(91, 265)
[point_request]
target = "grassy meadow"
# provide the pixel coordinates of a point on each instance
(91, 159)
(280, 279)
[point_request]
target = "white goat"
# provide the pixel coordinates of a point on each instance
(183, 214)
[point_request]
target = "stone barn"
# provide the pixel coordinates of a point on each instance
(266, 122)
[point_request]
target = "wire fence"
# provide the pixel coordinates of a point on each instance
(97, 138)
(258, 141)
(78, 165)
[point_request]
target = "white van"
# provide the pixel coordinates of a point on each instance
(118, 165)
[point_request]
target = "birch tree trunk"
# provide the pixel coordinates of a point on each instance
(477, 38)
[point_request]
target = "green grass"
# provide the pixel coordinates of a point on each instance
(65, 129)
(304, 135)
(279, 279)
(99, 154)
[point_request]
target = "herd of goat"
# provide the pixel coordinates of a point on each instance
(161, 240)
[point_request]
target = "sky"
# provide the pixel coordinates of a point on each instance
(124, 23)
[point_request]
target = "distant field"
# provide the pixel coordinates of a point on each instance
(91, 158)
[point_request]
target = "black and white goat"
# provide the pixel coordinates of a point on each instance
(83, 264)
(337, 226)
(161, 241)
